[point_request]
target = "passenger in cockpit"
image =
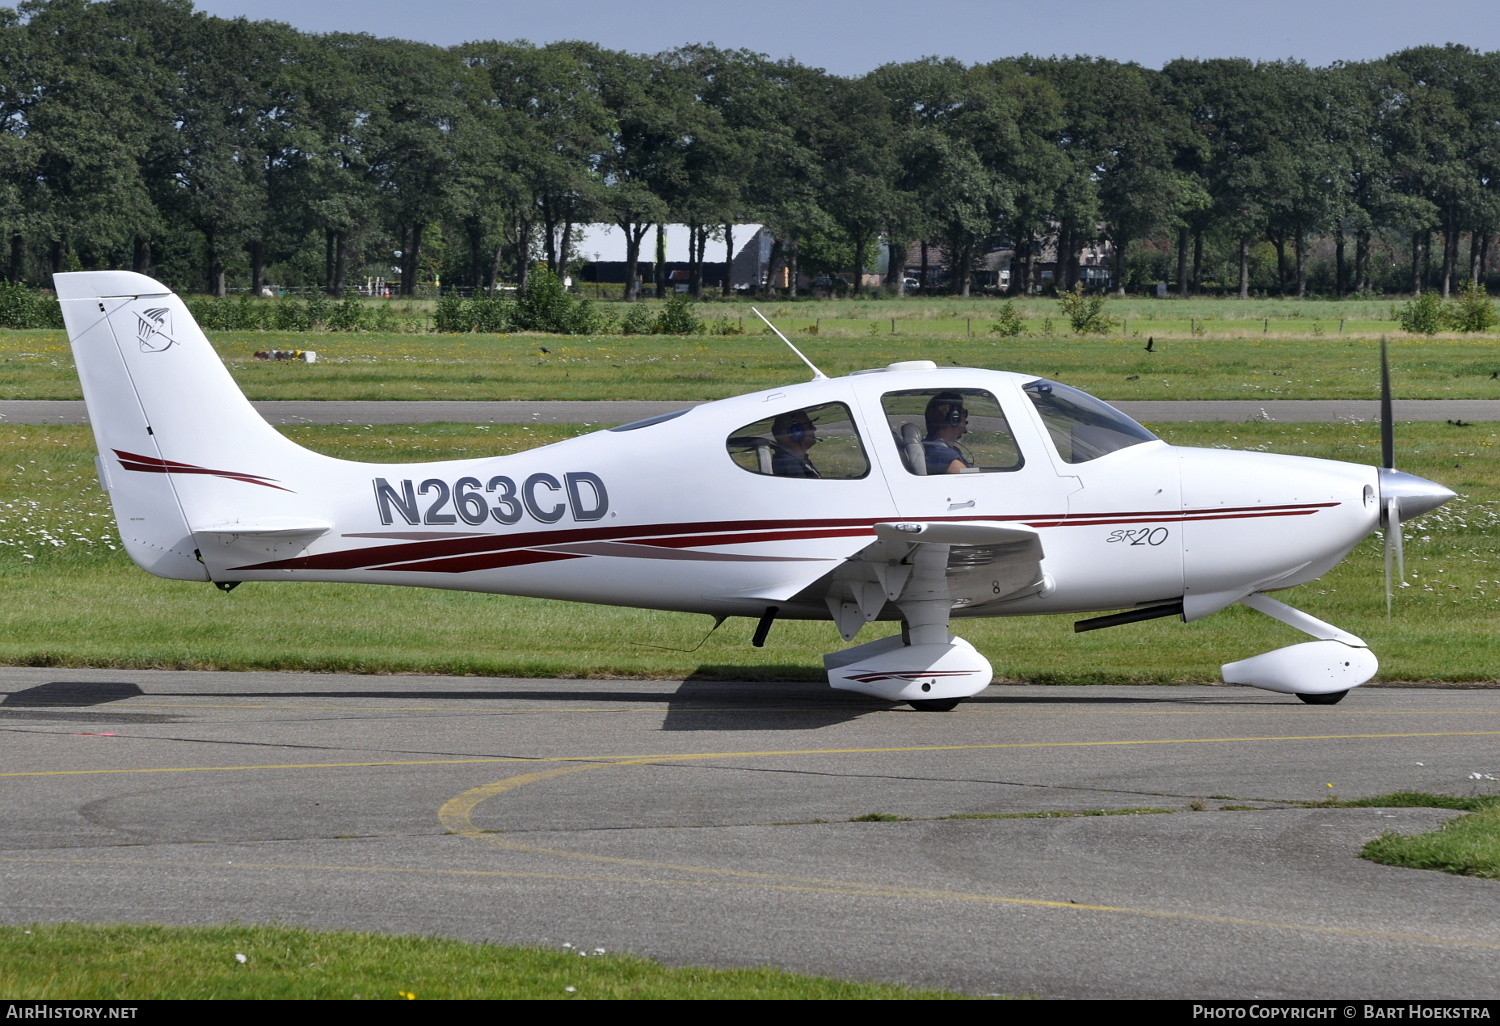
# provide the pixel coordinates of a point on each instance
(794, 434)
(947, 422)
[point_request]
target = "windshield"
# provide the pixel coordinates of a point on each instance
(1083, 428)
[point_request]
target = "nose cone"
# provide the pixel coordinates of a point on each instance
(1414, 495)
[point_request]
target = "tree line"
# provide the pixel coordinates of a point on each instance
(215, 153)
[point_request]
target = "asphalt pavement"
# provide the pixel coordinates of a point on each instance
(720, 823)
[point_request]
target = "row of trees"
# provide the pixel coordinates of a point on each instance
(143, 134)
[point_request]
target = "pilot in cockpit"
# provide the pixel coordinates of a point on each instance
(794, 434)
(947, 422)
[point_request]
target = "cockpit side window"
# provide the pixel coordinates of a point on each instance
(814, 442)
(950, 431)
(1083, 428)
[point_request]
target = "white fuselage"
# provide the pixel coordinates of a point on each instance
(661, 516)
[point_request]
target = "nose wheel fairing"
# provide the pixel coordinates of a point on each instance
(1311, 668)
(1331, 665)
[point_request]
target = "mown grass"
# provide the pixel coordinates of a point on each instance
(72, 598)
(39, 365)
(145, 963)
(1466, 846)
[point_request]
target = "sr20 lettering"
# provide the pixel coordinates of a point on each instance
(1138, 536)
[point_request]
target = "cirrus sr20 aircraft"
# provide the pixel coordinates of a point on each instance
(909, 492)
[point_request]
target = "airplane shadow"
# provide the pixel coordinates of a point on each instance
(72, 693)
(713, 698)
(70, 700)
(722, 698)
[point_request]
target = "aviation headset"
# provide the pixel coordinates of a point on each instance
(946, 409)
(796, 429)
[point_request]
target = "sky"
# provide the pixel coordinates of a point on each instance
(851, 38)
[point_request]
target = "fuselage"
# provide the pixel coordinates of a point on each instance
(716, 510)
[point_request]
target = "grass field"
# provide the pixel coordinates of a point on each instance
(39, 365)
(73, 598)
(1285, 315)
(1466, 846)
(152, 963)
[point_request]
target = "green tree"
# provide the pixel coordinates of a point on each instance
(943, 189)
(1228, 102)
(650, 107)
(551, 108)
(1438, 124)
(81, 94)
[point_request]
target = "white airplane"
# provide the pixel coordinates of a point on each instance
(909, 492)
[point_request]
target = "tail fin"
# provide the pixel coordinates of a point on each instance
(180, 447)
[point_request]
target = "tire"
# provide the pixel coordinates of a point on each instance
(1328, 698)
(934, 704)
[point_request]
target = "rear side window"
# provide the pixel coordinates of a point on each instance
(811, 442)
(1083, 428)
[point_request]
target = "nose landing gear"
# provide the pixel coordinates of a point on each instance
(1318, 672)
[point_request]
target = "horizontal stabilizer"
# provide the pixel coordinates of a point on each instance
(269, 527)
(229, 544)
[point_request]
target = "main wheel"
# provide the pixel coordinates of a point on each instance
(934, 704)
(1327, 698)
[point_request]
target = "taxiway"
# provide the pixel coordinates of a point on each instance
(719, 823)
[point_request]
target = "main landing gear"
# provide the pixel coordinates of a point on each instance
(934, 704)
(924, 666)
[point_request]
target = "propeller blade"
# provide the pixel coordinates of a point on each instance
(1388, 463)
(1387, 426)
(1400, 552)
(1393, 548)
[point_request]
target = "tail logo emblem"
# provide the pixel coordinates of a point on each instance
(152, 330)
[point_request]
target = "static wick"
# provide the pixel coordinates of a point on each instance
(816, 373)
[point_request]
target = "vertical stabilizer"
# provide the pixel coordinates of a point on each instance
(179, 444)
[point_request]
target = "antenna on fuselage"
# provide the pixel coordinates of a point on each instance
(816, 373)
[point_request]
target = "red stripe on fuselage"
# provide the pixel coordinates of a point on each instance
(487, 552)
(353, 559)
(479, 561)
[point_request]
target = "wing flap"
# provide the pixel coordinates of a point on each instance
(987, 562)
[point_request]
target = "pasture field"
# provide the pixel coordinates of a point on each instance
(68, 961)
(72, 598)
(1288, 315)
(39, 364)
